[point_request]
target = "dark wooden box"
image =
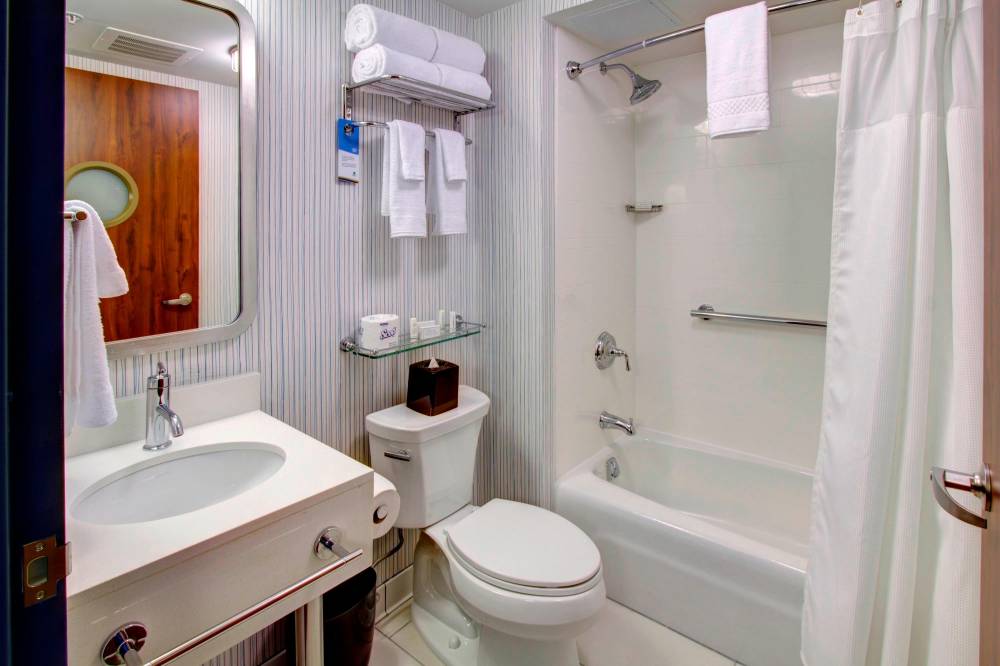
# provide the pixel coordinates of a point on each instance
(432, 391)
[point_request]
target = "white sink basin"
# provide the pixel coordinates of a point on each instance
(176, 483)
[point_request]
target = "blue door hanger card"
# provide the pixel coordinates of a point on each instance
(347, 151)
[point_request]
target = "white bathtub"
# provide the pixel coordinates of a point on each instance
(706, 541)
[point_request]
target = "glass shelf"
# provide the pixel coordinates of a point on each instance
(405, 344)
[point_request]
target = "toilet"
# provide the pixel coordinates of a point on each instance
(502, 584)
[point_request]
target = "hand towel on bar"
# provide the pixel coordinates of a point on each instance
(459, 52)
(403, 187)
(366, 26)
(90, 272)
(736, 53)
(453, 78)
(379, 60)
(446, 181)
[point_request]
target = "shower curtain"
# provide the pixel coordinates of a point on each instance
(892, 579)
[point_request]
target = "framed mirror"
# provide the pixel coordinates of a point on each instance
(160, 140)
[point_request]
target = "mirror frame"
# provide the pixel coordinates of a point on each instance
(151, 344)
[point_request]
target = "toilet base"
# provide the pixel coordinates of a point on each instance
(448, 645)
(491, 648)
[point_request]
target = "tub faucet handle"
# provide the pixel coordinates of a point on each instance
(606, 350)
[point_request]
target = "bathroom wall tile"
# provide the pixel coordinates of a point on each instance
(395, 620)
(594, 271)
(673, 155)
(746, 230)
(399, 589)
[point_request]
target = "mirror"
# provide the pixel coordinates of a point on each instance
(159, 140)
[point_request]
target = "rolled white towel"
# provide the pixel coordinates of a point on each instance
(464, 82)
(366, 25)
(459, 52)
(379, 60)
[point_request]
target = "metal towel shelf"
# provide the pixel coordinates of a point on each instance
(707, 312)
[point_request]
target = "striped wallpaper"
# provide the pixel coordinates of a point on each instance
(325, 257)
(218, 191)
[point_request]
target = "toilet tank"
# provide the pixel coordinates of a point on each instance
(430, 459)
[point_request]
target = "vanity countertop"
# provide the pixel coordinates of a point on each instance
(109, 556)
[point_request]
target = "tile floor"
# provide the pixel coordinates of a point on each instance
(620, 636)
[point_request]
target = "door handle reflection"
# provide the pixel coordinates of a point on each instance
(183, 299)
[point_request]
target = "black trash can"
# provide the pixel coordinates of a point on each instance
(349, 621)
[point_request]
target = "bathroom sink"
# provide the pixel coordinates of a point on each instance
(177, 483)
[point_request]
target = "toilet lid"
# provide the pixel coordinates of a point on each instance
(525, 545)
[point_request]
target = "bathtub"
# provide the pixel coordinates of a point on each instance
(706, 541)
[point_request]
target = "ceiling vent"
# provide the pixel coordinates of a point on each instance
(134, 45)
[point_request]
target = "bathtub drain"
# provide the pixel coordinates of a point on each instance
(612, 468)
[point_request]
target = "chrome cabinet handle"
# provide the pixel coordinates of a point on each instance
(979, 484)
(183, 299)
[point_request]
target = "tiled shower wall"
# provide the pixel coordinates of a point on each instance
(325, 257)
(746, 228)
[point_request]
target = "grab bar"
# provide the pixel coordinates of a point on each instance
(256, 609)
(707, 312)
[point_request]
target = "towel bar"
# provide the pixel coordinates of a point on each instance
(707, 312)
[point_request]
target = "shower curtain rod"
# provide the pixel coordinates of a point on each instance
(574, 69)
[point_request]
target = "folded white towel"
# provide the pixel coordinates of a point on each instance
(736, 46)
(90, 272)
(403, 189)
(464, 82)
(366, 26)
(379, 60)
(446, 181)
(459, 52)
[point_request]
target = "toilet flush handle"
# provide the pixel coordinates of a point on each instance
(403, 455)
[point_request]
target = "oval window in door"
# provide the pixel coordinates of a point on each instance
(107, 187)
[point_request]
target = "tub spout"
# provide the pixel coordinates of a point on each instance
(609, 420)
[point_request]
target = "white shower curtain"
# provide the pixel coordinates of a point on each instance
(892, 579)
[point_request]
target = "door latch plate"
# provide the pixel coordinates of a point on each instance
(43, 564)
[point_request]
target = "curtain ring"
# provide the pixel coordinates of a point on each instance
(861, 12)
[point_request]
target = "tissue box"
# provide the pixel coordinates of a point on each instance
(432, 391)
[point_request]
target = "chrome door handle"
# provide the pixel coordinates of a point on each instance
(979, 484)
(183, 299)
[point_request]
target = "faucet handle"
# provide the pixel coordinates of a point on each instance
(160, 381)
(606, 350)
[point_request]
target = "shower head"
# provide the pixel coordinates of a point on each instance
(641, 86)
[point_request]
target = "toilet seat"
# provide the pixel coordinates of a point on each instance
(525, 549)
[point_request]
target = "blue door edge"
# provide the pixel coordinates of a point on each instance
(32, 312)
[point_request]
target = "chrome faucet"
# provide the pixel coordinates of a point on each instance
(158, 412)
(609, 420)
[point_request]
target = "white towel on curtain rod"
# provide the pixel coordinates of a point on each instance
(893, 579)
